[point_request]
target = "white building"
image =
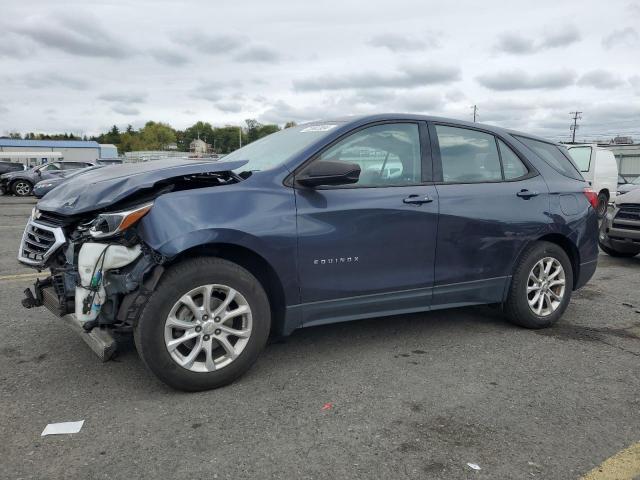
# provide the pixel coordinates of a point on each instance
(107, 150)
(199, 147)
(35, 152)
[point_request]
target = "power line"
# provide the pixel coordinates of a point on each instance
(576, 116)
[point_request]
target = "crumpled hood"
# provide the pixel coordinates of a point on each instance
(102, 187)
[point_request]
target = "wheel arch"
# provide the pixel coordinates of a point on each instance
(254, 263)
(569, 248)
(16, 180)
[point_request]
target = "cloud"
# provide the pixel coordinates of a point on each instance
(408, 77)
(402, 43)
(210, 44)
(40, 80)
(125, 110)
(521, 80)
(229, 106)
(600, 78)
(128, 97)
(561, 37)
(169, 57)
(626, 37)
(635, 83)
(514, 43)
(519, 44)
(258, 54)
(78, 35)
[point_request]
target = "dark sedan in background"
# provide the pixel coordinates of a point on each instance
(21, 183)
(43, 187)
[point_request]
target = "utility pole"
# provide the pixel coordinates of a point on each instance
(576, 116)
(475, 112)
(240, 135)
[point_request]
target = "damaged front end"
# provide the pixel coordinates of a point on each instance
(101, 272)
(98, 282)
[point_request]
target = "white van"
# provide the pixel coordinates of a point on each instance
(598, 167)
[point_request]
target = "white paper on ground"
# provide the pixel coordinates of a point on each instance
(475, 466)
(62, 428)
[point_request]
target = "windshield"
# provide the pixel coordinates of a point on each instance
(274, 149)
(582, 157)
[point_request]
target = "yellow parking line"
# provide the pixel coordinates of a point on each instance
(22, 276)
(624, 465)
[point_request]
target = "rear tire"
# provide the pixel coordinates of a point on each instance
(154, 332)
(523, 288)
(603, 203)
(615, 253)
(22, 188)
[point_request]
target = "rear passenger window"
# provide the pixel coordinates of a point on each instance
(468, 156)
(552, 154)
(512, 165)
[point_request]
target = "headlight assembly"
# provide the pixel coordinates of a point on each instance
(110, 224)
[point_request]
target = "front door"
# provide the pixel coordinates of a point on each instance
(369, 247)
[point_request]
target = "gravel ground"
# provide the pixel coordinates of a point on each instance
(416, 396)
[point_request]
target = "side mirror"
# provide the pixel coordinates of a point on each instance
(327, 172)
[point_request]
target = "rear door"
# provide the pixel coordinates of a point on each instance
(491, 203)
(369, 247)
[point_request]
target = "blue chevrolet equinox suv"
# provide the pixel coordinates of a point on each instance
(324, 222)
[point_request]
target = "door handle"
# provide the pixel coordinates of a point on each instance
(418, 199)
(527, 194)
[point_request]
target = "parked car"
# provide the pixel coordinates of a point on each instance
(43, 187)
(598, 167)
(308, 226)
(110, 161)
(21, 183)
(620, 229)
(629, 185)
(6, 167)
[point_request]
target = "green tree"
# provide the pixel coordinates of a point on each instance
(200, 129)
(156, 136)
(290, 124)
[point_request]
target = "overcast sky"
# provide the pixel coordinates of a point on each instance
(82, 66)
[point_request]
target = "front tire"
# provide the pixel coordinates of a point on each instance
(204, 325)
(541, 286)
(22, 188)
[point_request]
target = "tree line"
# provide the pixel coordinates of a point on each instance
(161, 136)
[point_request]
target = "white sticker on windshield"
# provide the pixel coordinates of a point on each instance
(318, 128)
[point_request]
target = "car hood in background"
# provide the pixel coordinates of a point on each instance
(630, 197)
(103, 187)
(627, 187)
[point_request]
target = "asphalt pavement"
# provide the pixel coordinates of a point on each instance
(416, 396)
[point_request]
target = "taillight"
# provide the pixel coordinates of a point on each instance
(592, 196)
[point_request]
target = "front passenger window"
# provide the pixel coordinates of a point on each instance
(468, 156)
(388, 154)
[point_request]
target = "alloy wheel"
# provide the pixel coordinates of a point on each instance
(546, 286)
(208, 328)
(22, 188)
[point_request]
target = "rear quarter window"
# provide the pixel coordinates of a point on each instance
(554, 156)
(582, 157)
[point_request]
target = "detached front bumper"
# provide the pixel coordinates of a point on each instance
(100, 340)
